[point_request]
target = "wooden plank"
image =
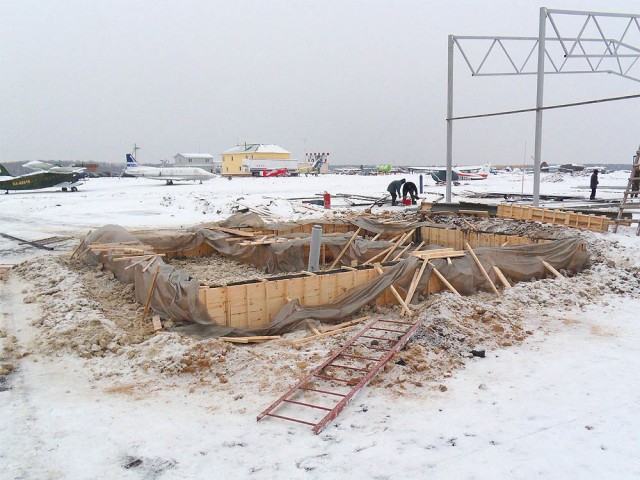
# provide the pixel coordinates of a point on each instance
(323, 335)
(233, 231)
(501, 276)
(344, 250)
(405, 307)
(345, 324)
(444, 280)
(484, 272)
(257, 339)
(79, 244)
(549, 267)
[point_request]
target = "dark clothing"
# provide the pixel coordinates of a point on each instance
(410, 188)
(635, 186)
(594, 184)
(394, 189)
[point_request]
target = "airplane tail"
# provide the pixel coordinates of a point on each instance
(131, 162)
(4, 172)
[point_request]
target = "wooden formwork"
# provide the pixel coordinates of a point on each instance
(596, 223)
(456, 238)
(253, 304)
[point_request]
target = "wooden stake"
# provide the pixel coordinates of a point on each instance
(151, 288)
(400, 254)
(502, 278)
(157, 324)
(405, 307)
(148, 257)
(484, 272)
(444, 280)
(344, 250)
(549, 267)
(376, 237)
(322, 335)
(81, 242)
(149, 264)
(398, 243)
(414, 283)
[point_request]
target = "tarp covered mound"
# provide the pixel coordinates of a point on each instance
(175, 294)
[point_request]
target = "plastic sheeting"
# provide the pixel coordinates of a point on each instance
(175, 294)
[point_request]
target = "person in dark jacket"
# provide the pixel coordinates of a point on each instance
(594, 184)
(394, 189)
(410, 188)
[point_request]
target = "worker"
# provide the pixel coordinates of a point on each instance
(594, 183)
(394, 189)
(410, 188)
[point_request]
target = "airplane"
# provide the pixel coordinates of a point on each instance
(40, 166)
(168, 174)
(40, 179)
(473, 172)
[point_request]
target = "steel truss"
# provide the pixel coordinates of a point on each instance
(598, 52)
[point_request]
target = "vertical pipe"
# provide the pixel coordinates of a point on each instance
(421, 184)
(449, 116)
(539, 102)
(314, 250)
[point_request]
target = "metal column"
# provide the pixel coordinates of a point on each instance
(449, 119)
(539, 103)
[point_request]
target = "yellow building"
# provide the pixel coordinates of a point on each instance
(252, 158)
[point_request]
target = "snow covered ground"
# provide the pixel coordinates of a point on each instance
(564, 403)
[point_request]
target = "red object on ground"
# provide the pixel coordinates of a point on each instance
(406, 201)
(327, 200)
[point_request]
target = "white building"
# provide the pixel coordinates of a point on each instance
(206, 161)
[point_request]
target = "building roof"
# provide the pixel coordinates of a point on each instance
(194, 155)
(256, 148)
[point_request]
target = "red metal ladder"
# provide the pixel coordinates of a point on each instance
(383, 338)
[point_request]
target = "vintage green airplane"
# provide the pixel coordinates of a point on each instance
(41, 179)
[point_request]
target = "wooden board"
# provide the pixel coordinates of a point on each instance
(596, 223)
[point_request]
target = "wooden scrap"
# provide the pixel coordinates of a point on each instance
(549, 267)
(405, 308)
(344, 250)
(157, 324)
(501, 276)
(484, 272)
(444, 280)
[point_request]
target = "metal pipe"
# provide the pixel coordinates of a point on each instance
(314, 250)
(539, 103)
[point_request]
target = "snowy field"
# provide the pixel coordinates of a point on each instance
(564, 403)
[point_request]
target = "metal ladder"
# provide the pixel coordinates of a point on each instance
(364, 355)
(630, 193)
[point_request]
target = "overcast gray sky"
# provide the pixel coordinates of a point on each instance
(363, 80)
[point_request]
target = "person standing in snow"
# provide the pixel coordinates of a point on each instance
(410, 188)
(394, 189)
(594, 184)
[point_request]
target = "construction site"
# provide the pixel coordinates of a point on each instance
(260, 325)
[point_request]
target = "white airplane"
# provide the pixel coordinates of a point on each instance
(40, 166)
(167, 174)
